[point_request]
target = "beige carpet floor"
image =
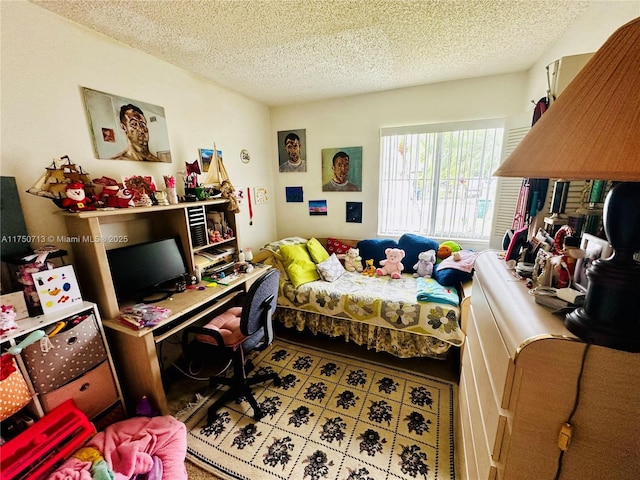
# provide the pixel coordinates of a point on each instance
(182, 391)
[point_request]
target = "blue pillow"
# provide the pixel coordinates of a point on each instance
(451, 277)
(413, 245)
(374, 248)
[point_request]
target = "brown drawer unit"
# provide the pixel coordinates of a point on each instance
(93, 392)
(69, 355)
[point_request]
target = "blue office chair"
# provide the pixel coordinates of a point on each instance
(232, 334)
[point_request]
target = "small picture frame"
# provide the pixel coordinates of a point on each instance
(594, 248)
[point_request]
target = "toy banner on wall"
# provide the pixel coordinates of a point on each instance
(57, 288)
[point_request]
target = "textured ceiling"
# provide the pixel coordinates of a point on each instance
(288, 51)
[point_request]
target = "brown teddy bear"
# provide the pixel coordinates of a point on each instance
(228, 192)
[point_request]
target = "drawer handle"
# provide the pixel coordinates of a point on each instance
(72, 340)
(84, 387)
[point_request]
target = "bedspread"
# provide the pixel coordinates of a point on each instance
(376, 301)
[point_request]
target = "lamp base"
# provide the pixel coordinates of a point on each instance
(581, 324)
(610, 315)
(611, 312)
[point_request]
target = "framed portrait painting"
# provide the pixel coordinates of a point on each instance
(126, 129)
(292, 151)
(342, 169)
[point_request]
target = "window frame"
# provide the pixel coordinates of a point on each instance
(435, 128)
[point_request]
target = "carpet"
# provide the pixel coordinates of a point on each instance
(332, 417)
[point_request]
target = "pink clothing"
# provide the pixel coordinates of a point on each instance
(130, 445)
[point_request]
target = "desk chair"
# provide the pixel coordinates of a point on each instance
(232, 334)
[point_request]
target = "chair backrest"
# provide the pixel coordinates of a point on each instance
(258, 308)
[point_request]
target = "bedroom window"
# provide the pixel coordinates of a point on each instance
(436, 180)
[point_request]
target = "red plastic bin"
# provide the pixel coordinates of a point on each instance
(41, 448)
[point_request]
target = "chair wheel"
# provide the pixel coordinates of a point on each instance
(277, 381)
(258, 415)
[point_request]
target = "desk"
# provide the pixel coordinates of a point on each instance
(135, 350)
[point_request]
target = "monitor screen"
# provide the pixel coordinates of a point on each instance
(144, 269)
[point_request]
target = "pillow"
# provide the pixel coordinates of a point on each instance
(451, 277)
(317, 251)
(274, 246)
(331, 269)
(336, 246)
(298, 264)
(374, 249)
(413, 245)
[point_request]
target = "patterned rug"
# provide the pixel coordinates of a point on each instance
(333, 417)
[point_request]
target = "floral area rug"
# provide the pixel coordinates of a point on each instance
(332, 417)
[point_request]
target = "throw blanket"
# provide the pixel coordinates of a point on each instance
(464, 264)
(431, 291)
(130, 446)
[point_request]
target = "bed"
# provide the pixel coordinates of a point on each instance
(381, 313)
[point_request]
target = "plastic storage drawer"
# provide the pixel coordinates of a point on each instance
(93, 392)
(72, 352)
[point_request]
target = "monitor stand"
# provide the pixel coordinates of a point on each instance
(156, 296)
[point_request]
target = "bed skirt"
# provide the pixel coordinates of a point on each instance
(396, 342)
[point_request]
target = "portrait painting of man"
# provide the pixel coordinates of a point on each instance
(136, 130)
(292, 151)
(342, 169)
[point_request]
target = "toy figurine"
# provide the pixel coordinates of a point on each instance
(76, 200)
(214, 236)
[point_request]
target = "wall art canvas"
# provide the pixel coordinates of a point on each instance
(126, 129)
(317, 207)
(261, 195)
(354, 212)
(292, 151)
(342, 169)
(206, 155)
(294, 194)
(57, 288)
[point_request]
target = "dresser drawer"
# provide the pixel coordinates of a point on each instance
(468, 454)
(480, 445)
(499, 362)
(70, 354)
(493, 420)
(93, 392)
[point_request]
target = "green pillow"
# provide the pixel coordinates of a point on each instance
(317, 251)
(300, 268)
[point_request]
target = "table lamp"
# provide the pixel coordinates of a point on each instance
(592, 131)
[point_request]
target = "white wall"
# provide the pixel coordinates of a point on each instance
(356, 121)
(587, 35)
(45, 61)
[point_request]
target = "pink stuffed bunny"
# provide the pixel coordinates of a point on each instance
(392, 265)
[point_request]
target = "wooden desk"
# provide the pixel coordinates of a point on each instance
(135, 350)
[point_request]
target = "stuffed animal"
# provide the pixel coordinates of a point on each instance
(424, 267)
(228, 192)
(76, 199)
(392, 265)
(369, 269)
(353, 261)
(446, 249)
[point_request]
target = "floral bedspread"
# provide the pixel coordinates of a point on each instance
(377, 301)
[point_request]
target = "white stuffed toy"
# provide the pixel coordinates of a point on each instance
(424, 267)
(353, 261)
(392, 265)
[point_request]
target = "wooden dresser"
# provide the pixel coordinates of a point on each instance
(519, 375)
